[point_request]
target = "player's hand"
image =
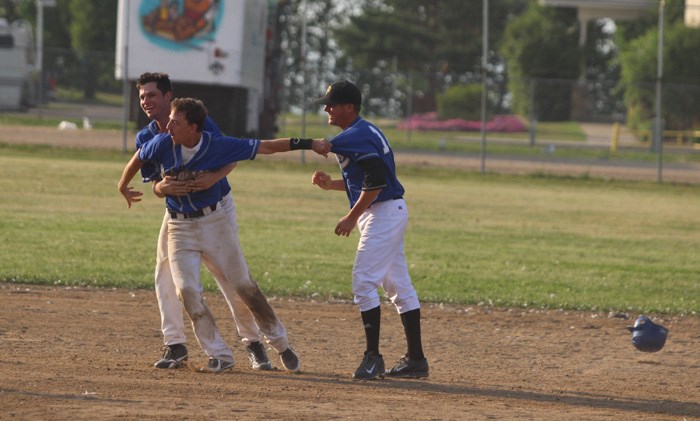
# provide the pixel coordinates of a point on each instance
(321, 147)
(172, 187)
(345, 226)
(322, 180)
(130, 195)
(205, 180)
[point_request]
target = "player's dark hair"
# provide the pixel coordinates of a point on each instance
(194, 110)
(162, 81)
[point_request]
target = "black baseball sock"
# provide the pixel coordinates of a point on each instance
(411, 326)
(371, 319)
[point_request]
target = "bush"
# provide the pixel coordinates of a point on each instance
(460, 101)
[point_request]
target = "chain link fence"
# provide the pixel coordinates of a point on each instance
(572, 128)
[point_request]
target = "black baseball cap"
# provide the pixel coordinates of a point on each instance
(342, 92)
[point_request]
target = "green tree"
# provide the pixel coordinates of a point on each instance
(8, 10)
(541, 46)
(439, 41)
(424, 34)
(56, 20)
(681, 79)
(638, 42)
(93, 33)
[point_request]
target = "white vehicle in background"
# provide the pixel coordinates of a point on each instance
(17, 55)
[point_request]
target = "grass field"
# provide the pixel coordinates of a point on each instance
(497, 240)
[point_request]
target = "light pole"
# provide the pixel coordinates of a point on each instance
(40, 4)
(126, 97)
(305, 76)
(658, 129)
(484, 62)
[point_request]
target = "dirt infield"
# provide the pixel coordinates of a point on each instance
(72, 353)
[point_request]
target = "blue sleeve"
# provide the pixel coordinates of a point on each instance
(226, 150)
(223, 150)
(139, 140)
(151, 151)
(148, 171)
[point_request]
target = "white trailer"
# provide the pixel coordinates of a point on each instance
(212, 49)
(17, 87)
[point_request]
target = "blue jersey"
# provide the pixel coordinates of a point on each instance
(148, 171)
(362, 140)
(215, 152)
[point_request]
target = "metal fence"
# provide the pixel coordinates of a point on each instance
(561, 127)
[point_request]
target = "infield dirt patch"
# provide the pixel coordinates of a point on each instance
(76, 353)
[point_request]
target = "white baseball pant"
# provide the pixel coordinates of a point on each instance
(172, 323)
(213, 239)
(380, 259)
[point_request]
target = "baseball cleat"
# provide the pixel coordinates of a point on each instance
(290, 360)
(217, 366)
(371, 367)
(409, 369)
(173, 357)
(258, 356)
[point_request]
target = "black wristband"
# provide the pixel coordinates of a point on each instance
(296, 143)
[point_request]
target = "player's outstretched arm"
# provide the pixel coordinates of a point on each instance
(320, 146)
(128, 174)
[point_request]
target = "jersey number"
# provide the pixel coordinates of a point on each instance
(385, 144)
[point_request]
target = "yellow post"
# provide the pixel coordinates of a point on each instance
(615, 137)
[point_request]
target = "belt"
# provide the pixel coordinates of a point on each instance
(393, 198)
(191, 215)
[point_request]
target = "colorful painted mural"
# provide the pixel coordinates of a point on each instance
(179, 24)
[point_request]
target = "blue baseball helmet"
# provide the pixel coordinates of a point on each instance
(647, 336)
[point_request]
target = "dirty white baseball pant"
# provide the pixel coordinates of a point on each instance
(172, 323)
(380, 259)
(213, 239)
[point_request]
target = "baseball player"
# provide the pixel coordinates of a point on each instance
(155, 95)
(200, 229)
(378, 209)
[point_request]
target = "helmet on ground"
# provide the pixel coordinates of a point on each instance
(647, 336)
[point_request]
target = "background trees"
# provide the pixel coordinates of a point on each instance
(93, 30)
(406, 53)
(638, 62)
(541, 46)
(438, 41)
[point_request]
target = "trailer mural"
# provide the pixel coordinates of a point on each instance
(180, 24)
